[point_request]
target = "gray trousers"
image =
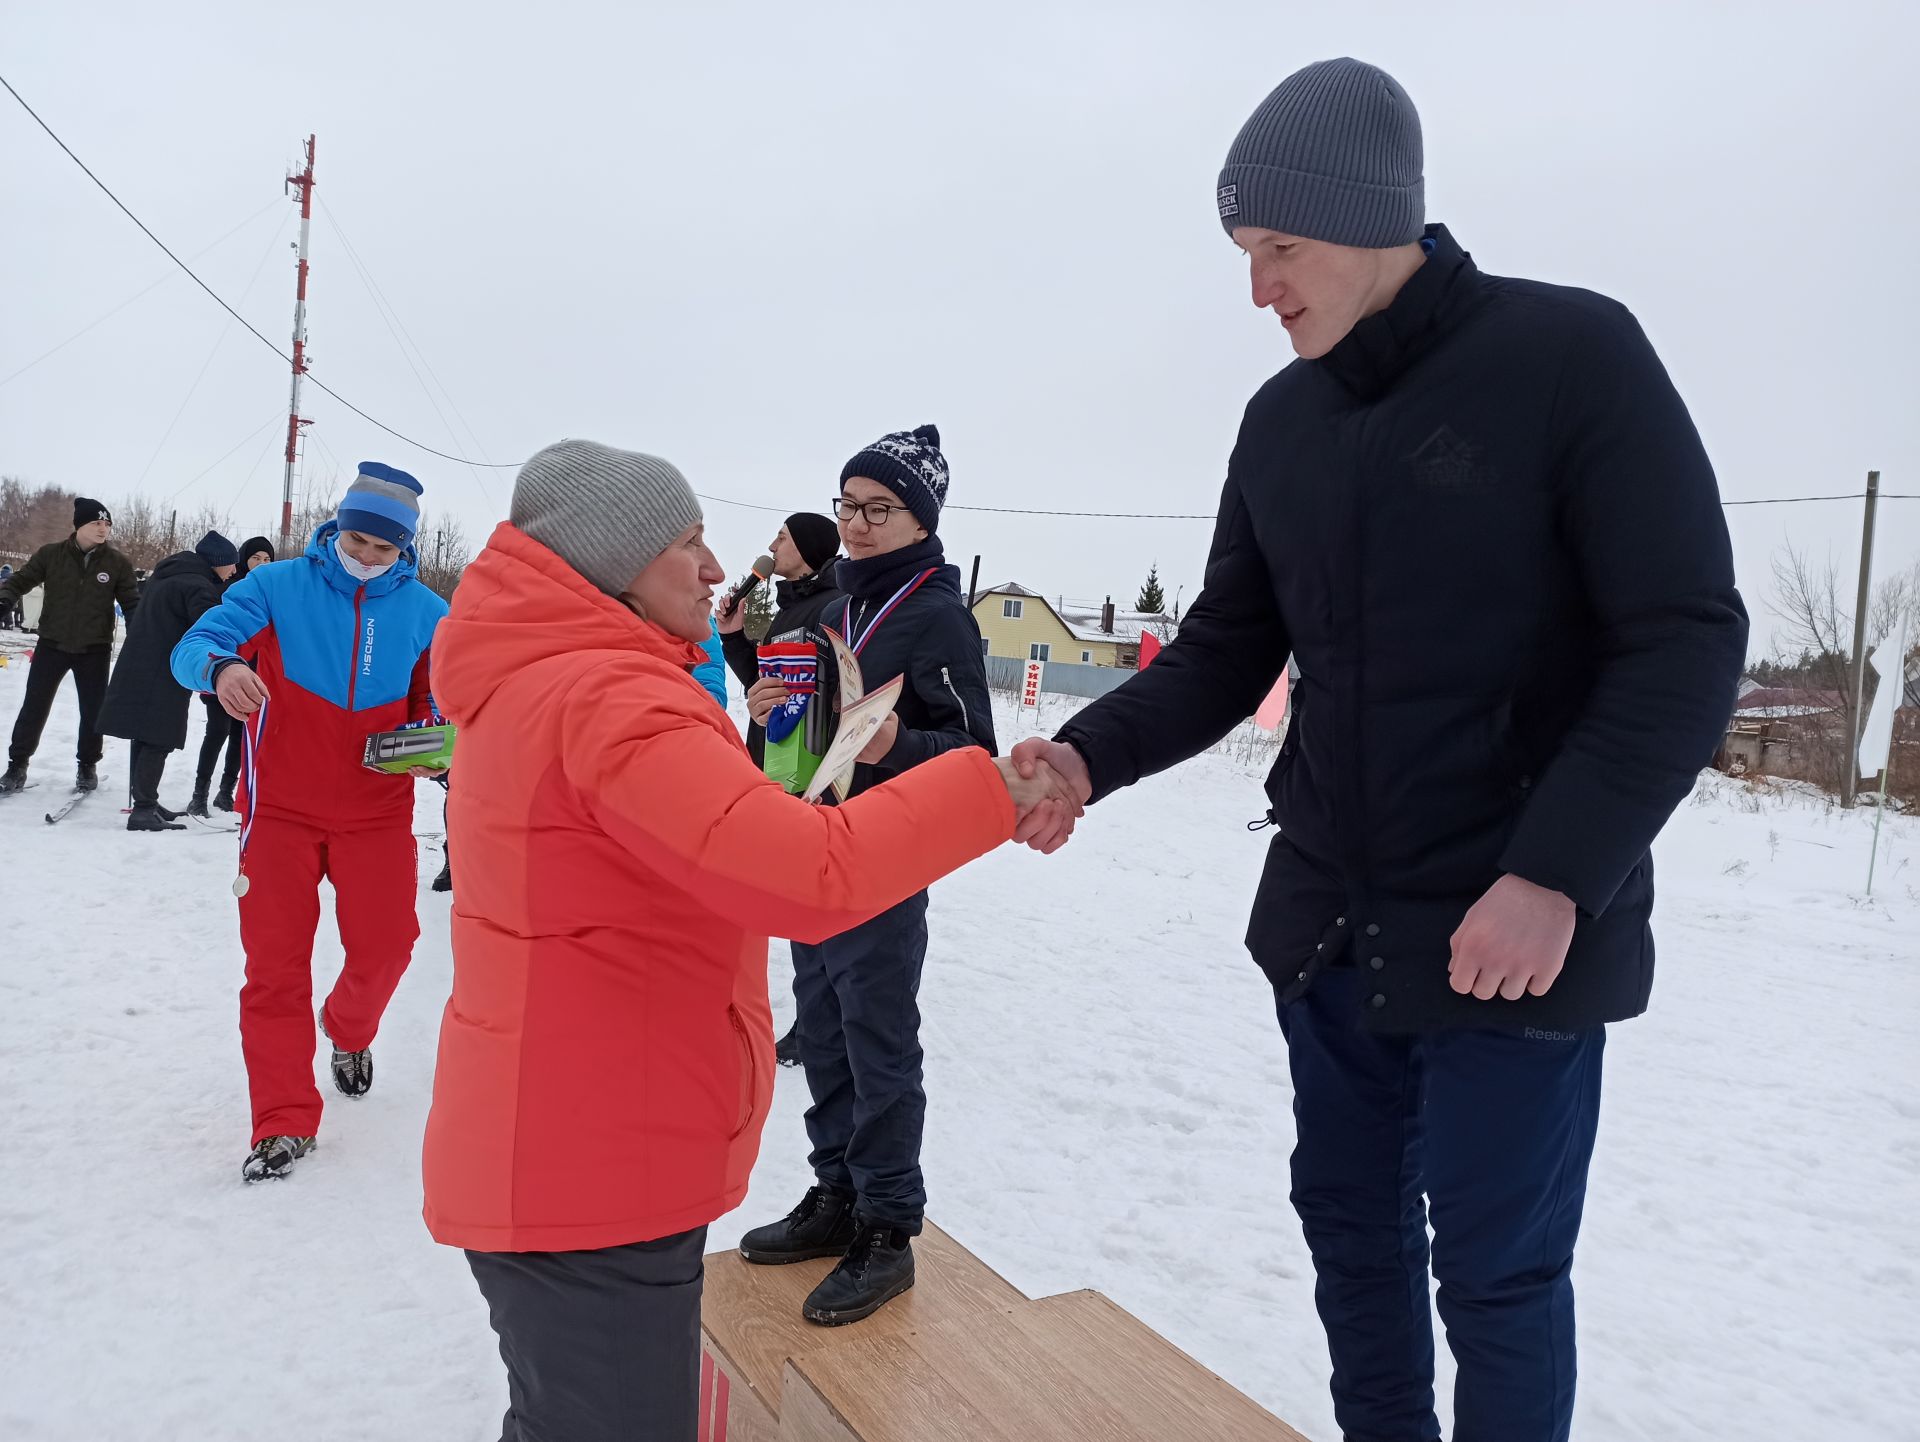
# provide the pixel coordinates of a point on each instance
(600, 1346)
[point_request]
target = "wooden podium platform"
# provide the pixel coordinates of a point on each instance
(963, 1357)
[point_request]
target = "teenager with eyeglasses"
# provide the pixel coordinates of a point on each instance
(905, 615)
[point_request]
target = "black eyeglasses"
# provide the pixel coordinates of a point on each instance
(878, 513)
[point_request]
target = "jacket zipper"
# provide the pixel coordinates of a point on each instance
(353, 669)
(751, 1085)
(965, 720)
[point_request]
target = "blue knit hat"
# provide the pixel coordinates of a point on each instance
(216, 550)
(383, 502)
(909, 464)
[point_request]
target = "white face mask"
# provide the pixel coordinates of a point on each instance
(360, 573)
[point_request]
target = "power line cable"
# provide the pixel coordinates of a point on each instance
(211, 245)
(236, 446)
(391, 315)
(251, 330)
(719, 500)
(207, 364)
(1801, 500)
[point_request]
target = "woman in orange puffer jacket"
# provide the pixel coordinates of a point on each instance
(606, 1058)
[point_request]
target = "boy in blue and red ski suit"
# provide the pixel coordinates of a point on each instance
(338, 646)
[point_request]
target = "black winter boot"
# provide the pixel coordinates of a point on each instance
(786, 1051)
(877, 1268)
(821, 1226)
(352, 1070)
(274, 1157)
(198, 805)
(85, 778)
(444, 881)
(152, 818)
(224, 801)
(15, 779)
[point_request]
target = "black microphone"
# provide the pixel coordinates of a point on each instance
(762, 569)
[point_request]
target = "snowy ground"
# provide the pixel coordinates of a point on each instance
(1109, 1109)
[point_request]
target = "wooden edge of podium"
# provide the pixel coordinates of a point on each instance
(1088, 1326)
(963, 1357)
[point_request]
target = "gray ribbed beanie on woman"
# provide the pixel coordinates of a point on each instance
(1333, 154)
(605, 512)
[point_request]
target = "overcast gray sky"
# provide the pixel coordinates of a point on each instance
(753, 237)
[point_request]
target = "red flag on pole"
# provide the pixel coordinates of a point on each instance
(1149, 648)
(1273, 710)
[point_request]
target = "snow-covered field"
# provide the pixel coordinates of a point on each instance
(1109, 1109)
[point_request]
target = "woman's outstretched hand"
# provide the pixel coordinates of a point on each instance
(1044, 802)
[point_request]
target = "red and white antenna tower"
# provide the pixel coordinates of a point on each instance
(304, 181)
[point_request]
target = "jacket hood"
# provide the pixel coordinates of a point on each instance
(321, 552)
(517, 604)
(182, 563)
(827, 578)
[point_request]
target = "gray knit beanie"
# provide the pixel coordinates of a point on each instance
(607, 513)
(1333, 154)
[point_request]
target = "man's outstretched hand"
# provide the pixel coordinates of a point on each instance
(1513, 942)
(1047, 829)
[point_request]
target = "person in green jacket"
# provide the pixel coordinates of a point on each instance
(84, 576)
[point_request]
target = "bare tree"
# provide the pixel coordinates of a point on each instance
(30, 517)
(444, 552)
(312, 509)
(1817, 628)
(188, 529)
(140, 532)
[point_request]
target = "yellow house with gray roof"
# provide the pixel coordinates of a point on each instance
(1021, 623)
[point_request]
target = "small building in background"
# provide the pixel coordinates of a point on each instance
(1024, 625)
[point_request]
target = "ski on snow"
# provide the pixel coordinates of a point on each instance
(65, 808)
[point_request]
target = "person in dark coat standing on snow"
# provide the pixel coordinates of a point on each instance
(806, 562)
(144, 703)
(806, 559)
(223, 733)
(1477, 513)
(904, 615)
(84, 576)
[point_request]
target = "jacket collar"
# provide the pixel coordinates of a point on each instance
(321, 552)
(1434, 300)
(824, 579)
(878, 577)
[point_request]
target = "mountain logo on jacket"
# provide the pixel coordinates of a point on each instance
(1447, 462)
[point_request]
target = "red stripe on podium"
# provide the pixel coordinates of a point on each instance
(706, 1400)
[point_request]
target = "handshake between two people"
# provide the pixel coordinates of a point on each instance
(1048, 780)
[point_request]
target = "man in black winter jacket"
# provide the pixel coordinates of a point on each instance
(144, 703)
(1477, 513)
(84, 576)
(223, 732)
(904, 615)
(805, 559)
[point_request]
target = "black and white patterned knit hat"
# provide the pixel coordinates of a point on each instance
(909, 464)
